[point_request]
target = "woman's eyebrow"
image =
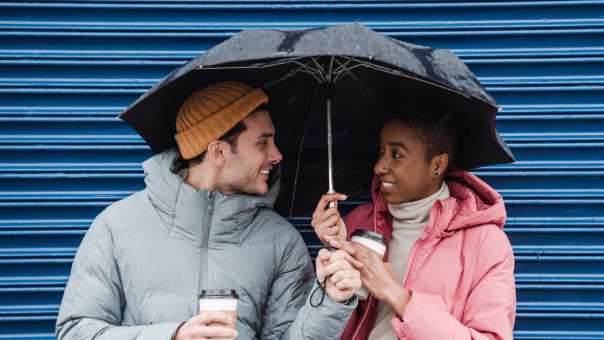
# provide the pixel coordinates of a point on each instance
(401, 144)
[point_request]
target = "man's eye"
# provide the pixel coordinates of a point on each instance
(396, 155)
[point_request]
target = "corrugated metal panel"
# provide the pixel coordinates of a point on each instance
(67, 69)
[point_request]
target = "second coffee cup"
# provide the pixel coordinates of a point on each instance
(374, 241)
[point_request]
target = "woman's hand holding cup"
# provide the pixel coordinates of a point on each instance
(326, 220)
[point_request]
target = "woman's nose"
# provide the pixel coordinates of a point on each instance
(381, 167)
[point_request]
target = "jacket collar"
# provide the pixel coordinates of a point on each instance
(187, 210)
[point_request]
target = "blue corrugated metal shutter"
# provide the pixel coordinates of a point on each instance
(67, 69)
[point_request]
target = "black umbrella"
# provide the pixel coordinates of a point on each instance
(349, 68)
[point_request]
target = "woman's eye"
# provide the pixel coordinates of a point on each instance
(396, 155)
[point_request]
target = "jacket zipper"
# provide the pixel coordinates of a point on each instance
(205, 237)
(421, 243)
(417, 247)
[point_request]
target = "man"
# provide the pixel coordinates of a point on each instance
(204, 221)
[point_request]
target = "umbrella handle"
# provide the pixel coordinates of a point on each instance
(332, 203)
(329, 147)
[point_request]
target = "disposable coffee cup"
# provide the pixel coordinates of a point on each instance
(220, 300)
(374, 241)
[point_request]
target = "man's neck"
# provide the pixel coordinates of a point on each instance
(201, 177)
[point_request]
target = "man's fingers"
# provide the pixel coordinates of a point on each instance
(345, 274)
(214, 332)
(322, 257)
(205, 318)
(324, 254)
(337, 266)
(349, 284)
(341, 254)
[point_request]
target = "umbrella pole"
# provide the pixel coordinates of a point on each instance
(330, 152)
(329, 147)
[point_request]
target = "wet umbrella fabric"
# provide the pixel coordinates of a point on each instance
(345, 69)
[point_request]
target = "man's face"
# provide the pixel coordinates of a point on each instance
(402, 168)
(248, 169)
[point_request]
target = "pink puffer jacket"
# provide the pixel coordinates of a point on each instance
(460, 272)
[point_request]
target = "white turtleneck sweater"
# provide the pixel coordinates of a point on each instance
(409, 220)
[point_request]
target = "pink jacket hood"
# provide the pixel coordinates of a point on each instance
(473, 202)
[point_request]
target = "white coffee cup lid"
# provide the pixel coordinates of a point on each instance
(370, 235)
(218, 294)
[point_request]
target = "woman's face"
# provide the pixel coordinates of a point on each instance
(404, 173)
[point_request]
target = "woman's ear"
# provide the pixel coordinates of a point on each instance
(440, 163)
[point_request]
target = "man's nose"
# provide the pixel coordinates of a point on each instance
(275, 156)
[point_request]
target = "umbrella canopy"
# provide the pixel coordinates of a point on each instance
(348, 66)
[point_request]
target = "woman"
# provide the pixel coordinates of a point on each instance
(448, 273)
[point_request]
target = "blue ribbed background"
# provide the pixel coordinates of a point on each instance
(67, 69)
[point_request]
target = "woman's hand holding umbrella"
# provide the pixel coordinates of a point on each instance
(377, 276)
(326, 221)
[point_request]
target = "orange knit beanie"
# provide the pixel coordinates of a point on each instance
(208, 114)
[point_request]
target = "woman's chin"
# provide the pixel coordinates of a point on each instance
(391, 198)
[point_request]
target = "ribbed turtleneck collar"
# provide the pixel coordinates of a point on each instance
(417, 212)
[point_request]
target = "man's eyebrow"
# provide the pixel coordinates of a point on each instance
(266, 135)
(402, 145)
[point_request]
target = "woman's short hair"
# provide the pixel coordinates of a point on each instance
(436, 127)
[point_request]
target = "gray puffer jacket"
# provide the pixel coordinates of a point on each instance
(145, 259)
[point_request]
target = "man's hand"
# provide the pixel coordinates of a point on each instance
(342, 278)
(377, 276)
(207, 325)
(327, 222)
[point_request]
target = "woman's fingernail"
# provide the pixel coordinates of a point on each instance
(334, 243)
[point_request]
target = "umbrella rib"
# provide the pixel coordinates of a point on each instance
(331, 68)
(341, 71)
(300, 146)
(309, 71)
(320, 71)
(359, 83)
(272, 63)
(346, 71)
(341, 65)
(284, 77)
(406, 75)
